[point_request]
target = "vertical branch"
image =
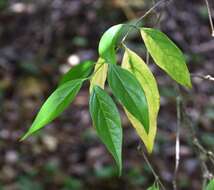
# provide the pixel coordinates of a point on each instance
(158, 17)
(177, 145)
(210, 17)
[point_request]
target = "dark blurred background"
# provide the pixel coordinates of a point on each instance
(40, 40)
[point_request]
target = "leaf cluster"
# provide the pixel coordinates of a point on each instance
(132, 84)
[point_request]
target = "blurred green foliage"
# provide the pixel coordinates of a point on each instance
(72, 184)
(3, 4)
(26, 183)
(106, 172)
(136, 177)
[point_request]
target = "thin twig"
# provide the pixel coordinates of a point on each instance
(147, 57)
(177, 145)
(206, 174)
(145, 15)
(203, 154)
(207, 153)
(157, 179)
(210, 17)
(150, 10)
(204, 77)
(158, 16)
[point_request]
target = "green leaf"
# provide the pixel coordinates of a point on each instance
(153, 187)
(129, 92)
(133, 63)
(99, 75)
(79, 71)
(58, 101)
(106, 120)
(210, 186)
(167, 55)
(108, 43)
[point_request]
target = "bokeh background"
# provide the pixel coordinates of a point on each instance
(40, 40)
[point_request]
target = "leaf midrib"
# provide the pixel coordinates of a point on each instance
(59, 104)
(137, 71)
(180, 59)
(118, 76)
(105, 118)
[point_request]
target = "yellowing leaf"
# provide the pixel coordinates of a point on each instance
(127, 89)
(99, 75)
(141, 71)
(167, 55)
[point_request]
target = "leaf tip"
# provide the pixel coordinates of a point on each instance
(24, 137)
(119, 173)
(120, 170)
(189, 85)
(149, 149)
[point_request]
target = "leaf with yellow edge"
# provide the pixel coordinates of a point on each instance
(167, 55)
(99, 75)
(133, 63)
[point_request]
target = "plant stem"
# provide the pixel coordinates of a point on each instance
(157, 179)
(145, 15)
(203, 154)
(177, 145)
(204, 77)
(210, 17)
(95, 71)
(150, 10)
